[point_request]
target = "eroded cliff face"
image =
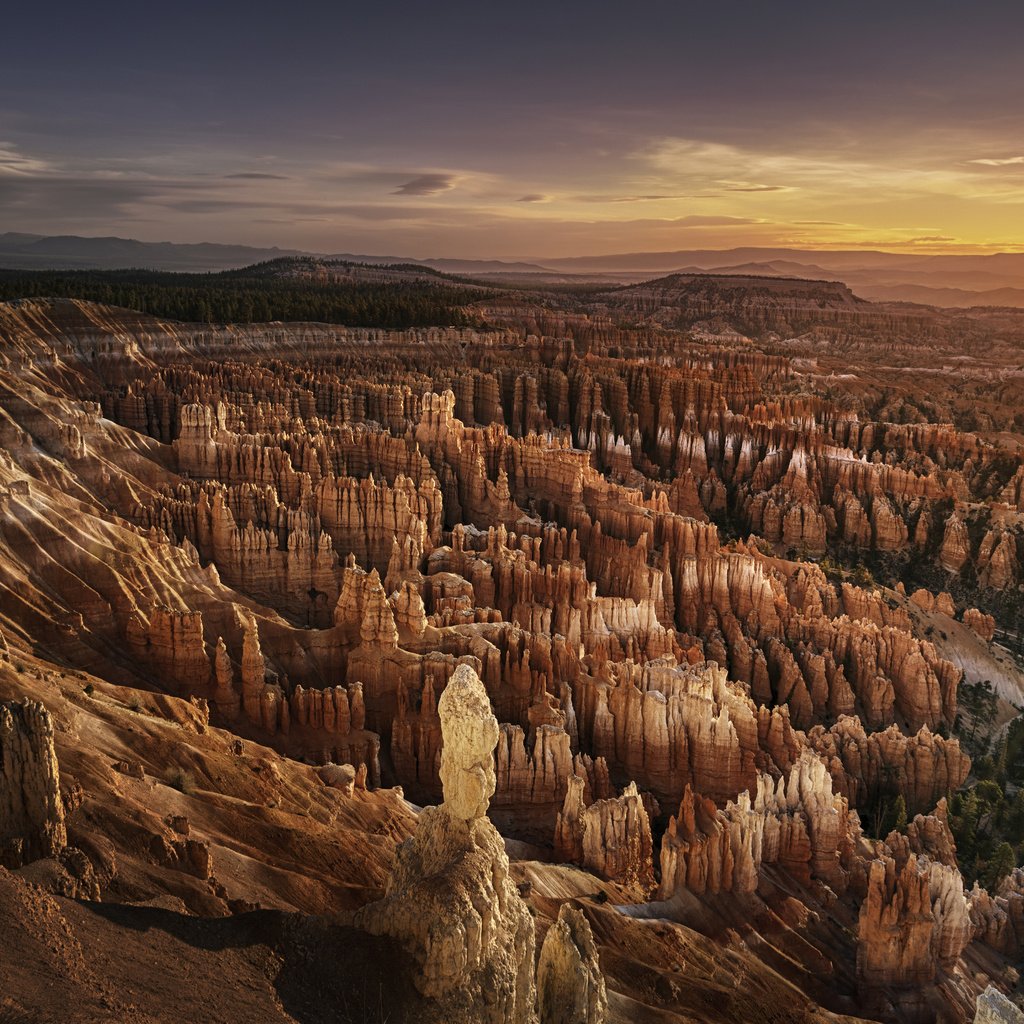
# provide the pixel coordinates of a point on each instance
(317, 539)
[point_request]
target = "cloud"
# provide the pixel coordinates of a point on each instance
(208, 205)
(639, 199)
(13, 161)
(744, 187)
(998, 162)
(93, 198)
(257, 176)
(50, 198)
(713, 221)
(670, 190)
(427, 185)
(826, 173)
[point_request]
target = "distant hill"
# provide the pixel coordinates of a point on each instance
(19, 251)
(950, 298)
(820, 290)
(475, 268)
(938, 287)
(938, 280)
(753, 305)
(293, 288)
(1004, 264)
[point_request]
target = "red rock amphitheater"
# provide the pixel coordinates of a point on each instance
(563, 671)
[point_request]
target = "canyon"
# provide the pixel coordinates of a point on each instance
(605, 661)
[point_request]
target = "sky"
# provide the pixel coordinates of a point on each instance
(517, 130)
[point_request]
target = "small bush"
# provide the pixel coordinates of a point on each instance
(182, 780)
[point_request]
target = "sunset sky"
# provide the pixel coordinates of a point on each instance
(517, 130)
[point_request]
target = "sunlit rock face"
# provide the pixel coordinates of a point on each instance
(995, 1008)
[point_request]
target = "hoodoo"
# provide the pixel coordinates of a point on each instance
(31, 812)
(450, 898)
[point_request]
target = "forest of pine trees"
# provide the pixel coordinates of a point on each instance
(254, 295)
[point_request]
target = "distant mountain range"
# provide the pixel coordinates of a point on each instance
(937, 280)
(72, 252)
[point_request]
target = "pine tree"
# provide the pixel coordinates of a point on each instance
(900, 813)
(1001, 863)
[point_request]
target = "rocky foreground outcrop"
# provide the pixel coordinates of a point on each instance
(995, 1008)
(450, 899)
(570, 986)
(31, 811)
(33, 827)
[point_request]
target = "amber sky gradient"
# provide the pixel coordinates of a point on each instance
(517, 130)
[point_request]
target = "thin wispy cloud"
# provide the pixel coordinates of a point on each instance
(256, 176)
(427, 185)
(713, 221)
(14, 161)
(655, 197)
(1008, 161)
(733, 186)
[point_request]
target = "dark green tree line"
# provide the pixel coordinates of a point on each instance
(258, 294)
